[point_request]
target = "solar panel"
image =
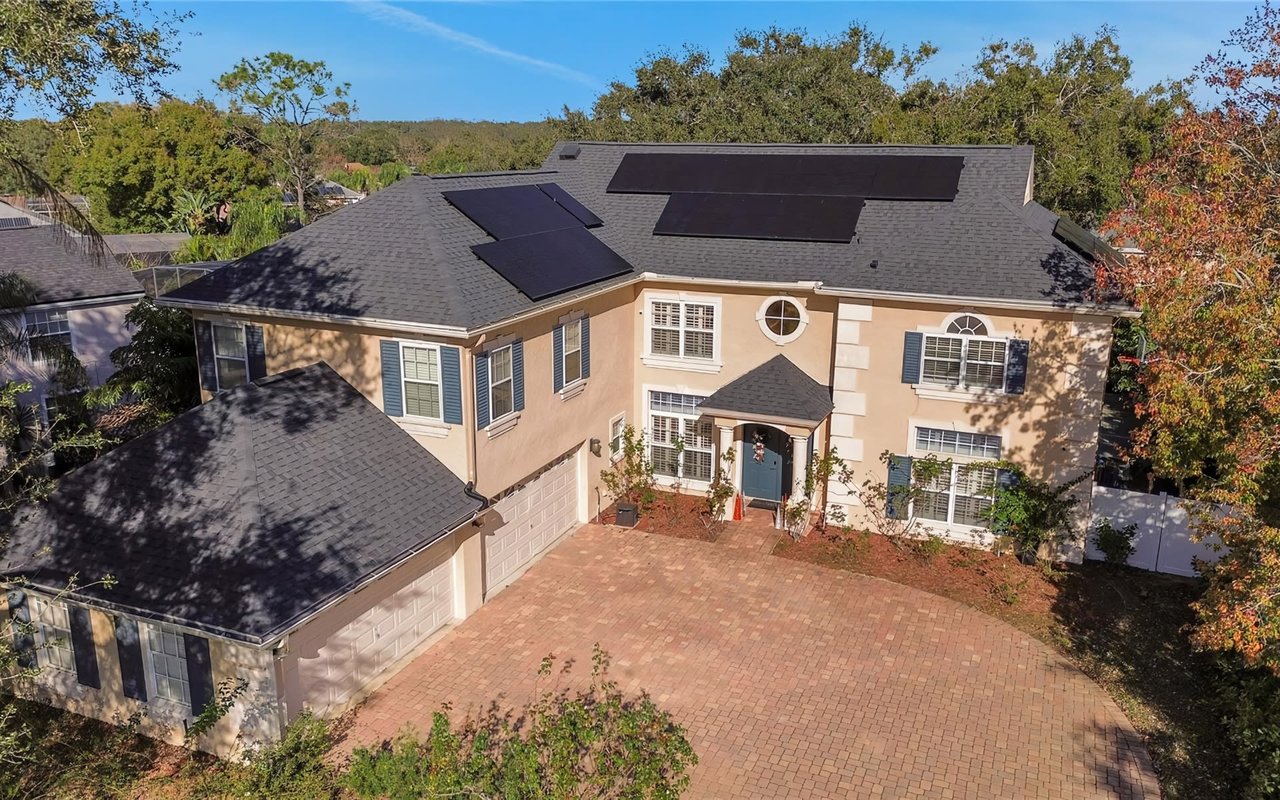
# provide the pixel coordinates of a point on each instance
(571, 204)
(904, 177)
(545, 264)
(804, 218)
(508, 211)
(14, 222)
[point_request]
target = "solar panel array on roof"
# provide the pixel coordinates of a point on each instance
(571, 204)
(507, 211)
(542, 247)
(14, 222)
(878, 177)
(542, 265)
(808, 218)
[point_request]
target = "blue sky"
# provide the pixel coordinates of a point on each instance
(521, 61)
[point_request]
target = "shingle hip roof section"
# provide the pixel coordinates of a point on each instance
(245, 515)
(777, 389)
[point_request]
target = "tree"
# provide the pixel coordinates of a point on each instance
(282, 105)
(1205, 217)
(141, 167)
(254, 224)
(1089, 128)
(157, 368)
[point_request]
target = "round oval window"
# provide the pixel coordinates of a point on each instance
(782, 317)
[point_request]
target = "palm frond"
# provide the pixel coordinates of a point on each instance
(77, 229)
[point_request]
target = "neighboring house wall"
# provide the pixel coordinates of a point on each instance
(254, 720)
(96, 330)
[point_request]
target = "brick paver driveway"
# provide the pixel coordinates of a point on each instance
(793, 680)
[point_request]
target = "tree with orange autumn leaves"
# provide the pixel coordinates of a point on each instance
(1206, 217)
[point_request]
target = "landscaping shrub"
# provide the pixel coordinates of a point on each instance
(596, 743)
(1251, 698)
(1115, 543)
(292, 769)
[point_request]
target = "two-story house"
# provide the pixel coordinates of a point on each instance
(777, 300)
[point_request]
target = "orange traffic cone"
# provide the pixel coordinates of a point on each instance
(738, 511)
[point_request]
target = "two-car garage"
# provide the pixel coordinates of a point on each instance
(536, 514)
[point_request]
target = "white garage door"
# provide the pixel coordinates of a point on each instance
(536, 515)
(363, 649)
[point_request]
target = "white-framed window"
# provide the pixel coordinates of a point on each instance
(962, 495)
(501, 383)
(782, 319)
(680, 444)
(617, 432)
(54, 649)
(420, 374)
(230, 356)
(572, 357)
(684, 329)
(48, 333)
(964, 356)
(167, 663)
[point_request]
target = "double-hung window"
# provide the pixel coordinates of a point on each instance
(965, 493)
(48, 334)
(964, 356)
(682, 329)
(617, 433)
(53, 634)
(572, 351)
(230, 356)
(680, 443)
(167, 660)
(501, 383)
(421, 374)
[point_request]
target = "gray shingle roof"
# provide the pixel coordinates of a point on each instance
(404, 253)
(777, 388)
(57, 264)
(245, 514)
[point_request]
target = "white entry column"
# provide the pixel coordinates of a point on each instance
(726, 444)
(799, 464)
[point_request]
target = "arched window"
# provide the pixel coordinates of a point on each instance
(967, 325)
(966, 355)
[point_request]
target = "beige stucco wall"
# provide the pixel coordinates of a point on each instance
(254, 719)
(551, 424)
(1051, 429)
(96, 330)
(355, 355)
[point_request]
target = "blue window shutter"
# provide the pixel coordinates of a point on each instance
(517, 375)
(24, 639)
(557, 358)
(392, 390)
(199, 671)
(898, 487)
(129, 646)
(482, 390)
(204, 354)
(256, 349)
(912, 349)
(1015, 370)
(83, 648)
(586, 347)
(451, 379)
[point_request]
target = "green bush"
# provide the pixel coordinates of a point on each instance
(1251, 699)
(292, 769)
(1115, 543)
(594, 743)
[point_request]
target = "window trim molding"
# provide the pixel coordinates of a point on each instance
(957, 460)
(646, 404)
(571, 387)
(651, 359)
(961, 393)
(614, 458)
(214, 324)
(173, 708)
(780, 339)
(497, 424)
(25, 317)
(404, 399)
(36, 601)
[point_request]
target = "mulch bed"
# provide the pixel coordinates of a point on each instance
(683, 516)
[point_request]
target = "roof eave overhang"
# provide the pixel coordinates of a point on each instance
(751, 416)
(1040, 306)
(446, 331)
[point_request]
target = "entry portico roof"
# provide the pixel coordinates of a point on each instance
(777, 391)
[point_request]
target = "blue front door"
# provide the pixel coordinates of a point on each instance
(762, 465)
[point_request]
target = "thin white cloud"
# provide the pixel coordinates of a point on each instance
(416, 23)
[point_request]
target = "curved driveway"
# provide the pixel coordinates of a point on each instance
(792, 679)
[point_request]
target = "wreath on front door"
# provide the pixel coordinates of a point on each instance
(757, 439)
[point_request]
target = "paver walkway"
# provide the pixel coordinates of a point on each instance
(793, 680)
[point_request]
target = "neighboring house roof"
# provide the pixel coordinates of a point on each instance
(776, 389)
(329, 190)
(151, 249)
(404, 254)
(13, 217)
(61, 267)
(244, 516)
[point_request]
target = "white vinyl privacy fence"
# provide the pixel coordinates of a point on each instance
(1164, 542)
